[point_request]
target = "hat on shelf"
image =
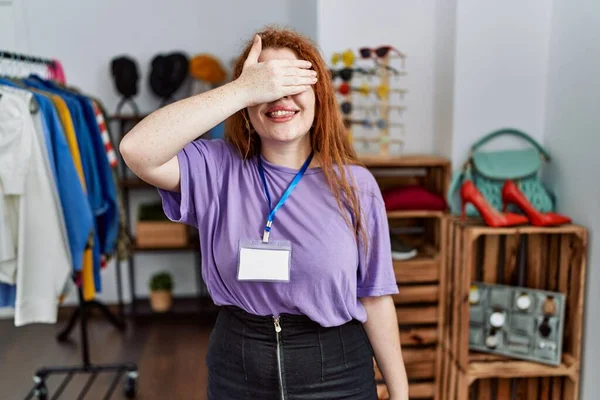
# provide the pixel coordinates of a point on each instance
(412, 197)
(168, 72)
(207, 68)
(125, 75)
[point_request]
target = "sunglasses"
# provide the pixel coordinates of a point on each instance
(375, 108)
(392, 70)
(347, 58)
(382, 139)
(366, 123)
(347, 108)
(347, 73)
(381, 52)
(382, 91)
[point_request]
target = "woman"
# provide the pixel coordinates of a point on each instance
(295, 242)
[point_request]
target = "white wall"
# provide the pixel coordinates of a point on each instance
(404, 24)
(303, 17)
(500, 69)
(572, 121)
(444, 57)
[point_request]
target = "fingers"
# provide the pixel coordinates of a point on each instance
(298, 80)
(254, 52)
(295, 63)
(292, 90)
(292, 71)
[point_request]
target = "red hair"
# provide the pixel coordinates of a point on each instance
(329, 136)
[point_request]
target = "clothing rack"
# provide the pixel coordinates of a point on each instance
(26, 58)
(21, 60)
(40, 390)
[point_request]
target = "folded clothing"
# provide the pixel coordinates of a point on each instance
(413, 197)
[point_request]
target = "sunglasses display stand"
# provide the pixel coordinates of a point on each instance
(516, 322)
(373, 128)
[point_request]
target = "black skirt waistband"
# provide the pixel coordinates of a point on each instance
(286, 320)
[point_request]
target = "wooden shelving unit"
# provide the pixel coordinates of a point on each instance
(419, 303)
(200, 305)
(555, 260)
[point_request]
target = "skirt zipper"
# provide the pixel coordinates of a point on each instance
(277, 332)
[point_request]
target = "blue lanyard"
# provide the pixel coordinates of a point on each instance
(286, 194)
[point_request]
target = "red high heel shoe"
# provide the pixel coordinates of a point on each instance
(512, 194)
(491, 216)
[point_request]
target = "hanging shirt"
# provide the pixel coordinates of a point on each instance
(87, 271)
(75, 207)
(84, 120)
(123, 241)
(223, 196)
(108, 148)
(76, 224)
(108, 218)
(67, 123)
(8, 266)
(15, 152)
(44, 264)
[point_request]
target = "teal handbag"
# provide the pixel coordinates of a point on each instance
(490, 169)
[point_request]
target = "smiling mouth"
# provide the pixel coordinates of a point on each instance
(281, 115)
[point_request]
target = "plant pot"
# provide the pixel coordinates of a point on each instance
(161, 300)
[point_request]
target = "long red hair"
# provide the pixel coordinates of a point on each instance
(329, 136)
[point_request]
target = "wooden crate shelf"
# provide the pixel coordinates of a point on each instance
(419, 303)
(554, 260)
(414, 214)
(405, 161)
(418, 315)
(425, 267)
(417, 294)
(418, 270)
(516, 369)
(420, 335)
(420, 390)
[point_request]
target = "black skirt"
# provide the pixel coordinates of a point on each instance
(292, 358)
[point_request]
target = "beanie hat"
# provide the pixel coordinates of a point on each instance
(125, 74)
(168, 72)
(207, 68)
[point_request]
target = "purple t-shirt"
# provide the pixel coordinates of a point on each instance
(223, 196)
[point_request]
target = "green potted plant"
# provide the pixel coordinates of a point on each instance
(161, 287)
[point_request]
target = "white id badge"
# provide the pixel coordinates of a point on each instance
(264, 262)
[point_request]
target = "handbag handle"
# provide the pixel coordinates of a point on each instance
(513, 132)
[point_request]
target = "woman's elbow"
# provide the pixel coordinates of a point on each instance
(129, 153)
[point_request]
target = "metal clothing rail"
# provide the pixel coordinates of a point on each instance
(26, 58)
(40, 390)
(23, 62)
